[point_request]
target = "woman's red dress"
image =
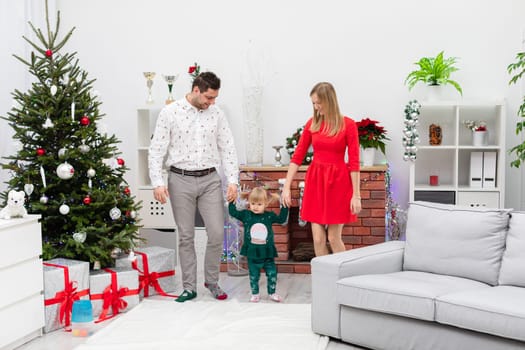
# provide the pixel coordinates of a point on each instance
(328, 186)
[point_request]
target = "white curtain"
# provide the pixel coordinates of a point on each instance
(14, 18)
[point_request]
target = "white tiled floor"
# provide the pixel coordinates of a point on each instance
(295, 288)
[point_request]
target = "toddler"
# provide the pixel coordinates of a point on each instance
(258, 245)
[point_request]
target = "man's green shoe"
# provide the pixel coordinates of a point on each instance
(186, 295)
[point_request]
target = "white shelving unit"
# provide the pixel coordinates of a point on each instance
(21, 298)
(153, 214)
(450, 161)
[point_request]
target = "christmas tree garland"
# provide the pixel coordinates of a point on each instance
(411, 136)
(291, 145)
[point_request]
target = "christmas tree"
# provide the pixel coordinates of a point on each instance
(71, 171)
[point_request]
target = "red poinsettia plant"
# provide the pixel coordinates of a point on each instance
(194, 71)
(371, 135)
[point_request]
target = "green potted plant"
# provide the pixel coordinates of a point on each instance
(518, 68)
(434, 71)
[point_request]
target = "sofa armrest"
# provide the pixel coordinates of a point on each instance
(327, 270)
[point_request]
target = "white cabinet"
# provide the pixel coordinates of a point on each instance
(451, 160)
(21, 273)
(153, 214)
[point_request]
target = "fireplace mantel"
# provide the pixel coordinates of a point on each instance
(368, 230)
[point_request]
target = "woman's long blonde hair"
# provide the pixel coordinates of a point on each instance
(333, 119)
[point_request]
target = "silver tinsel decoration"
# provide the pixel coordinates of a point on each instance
(410, 134)
(395, 215)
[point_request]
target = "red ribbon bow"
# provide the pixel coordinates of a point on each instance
(147, 279)
(65, 297)
(113, 297)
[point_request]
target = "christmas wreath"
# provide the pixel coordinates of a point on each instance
(293, 141)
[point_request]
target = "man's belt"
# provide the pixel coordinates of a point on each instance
(197, 173)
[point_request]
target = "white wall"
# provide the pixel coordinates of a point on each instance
(365, 48)
(14, 18)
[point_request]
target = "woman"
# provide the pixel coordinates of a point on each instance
(331, 192)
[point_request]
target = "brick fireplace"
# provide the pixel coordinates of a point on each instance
(368, 230)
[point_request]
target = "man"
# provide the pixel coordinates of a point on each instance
(197, 139)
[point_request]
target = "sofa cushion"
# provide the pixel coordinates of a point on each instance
(405, 293)
(513, 263)
(497, 310)
(454, 240)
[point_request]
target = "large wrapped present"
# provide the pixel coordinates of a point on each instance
(156, 267)
(113, 290)
(65, 281)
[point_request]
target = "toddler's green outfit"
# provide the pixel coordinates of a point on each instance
(258, 245)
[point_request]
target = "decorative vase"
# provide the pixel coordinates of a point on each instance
(368, 156)
(253, 125)
(479, 138)
(434, 92)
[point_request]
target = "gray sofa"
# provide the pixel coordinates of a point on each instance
(456, 282)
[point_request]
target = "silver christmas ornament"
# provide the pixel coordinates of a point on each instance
(115, 213)
(64, 209)
(80, 237)
(115, 253)
(83, 148)
(62, 153)
(44, 199)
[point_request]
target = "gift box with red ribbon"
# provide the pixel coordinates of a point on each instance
(65, 281)
(156, 268)
(113, 290)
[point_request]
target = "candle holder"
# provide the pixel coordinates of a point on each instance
(278, 156)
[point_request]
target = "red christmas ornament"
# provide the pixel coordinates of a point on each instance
(84, 121)
(40, 152)
(127, 191)
(87, 200)
(49, 53)
(120, 161)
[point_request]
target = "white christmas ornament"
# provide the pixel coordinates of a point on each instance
(48, 123)
(28, 189)
(115, 213)
(44, 199)
(53, 90)
(133, 214)
(64, 209)
(80, 237)
(65, 171)
(91, 172)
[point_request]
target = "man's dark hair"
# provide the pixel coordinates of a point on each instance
(205, 81)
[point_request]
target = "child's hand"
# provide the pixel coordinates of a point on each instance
(231, 193)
